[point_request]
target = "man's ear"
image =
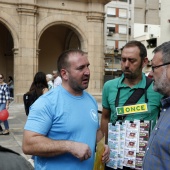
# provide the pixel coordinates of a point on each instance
(145, 62)
(64, 74)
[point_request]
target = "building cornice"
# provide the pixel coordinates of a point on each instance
(95, 16)
(27, 9)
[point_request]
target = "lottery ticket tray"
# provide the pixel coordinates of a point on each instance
(127, 141)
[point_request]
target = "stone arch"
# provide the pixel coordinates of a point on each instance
(69, 22)
(11, 25)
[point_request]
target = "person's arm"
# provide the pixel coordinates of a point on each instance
(7, 104)
(106, 153)
(37, 144)
(104, 122)
(9, 82)
(7, 97)
(103, 131)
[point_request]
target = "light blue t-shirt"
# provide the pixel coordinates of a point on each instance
(62, 116)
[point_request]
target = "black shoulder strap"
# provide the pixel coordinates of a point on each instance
(137, 94)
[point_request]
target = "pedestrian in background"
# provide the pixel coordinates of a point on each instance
(38, 87)
(57, 79)
(49, 79)
(157, 154)
(11, 87)
(62, 128)
(4, 103)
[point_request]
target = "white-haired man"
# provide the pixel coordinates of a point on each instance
(157, 155)
(57, 78)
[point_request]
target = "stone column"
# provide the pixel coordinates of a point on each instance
(16, 55)
(36, 60)
(25, 65)
(96, 47)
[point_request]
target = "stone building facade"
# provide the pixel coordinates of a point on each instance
(132, 20)
(165, 21)
(147, 11)
(34, 32)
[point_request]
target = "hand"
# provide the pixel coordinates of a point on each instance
(7, 107)
(45, 90)
(106, 154)
(81, 151)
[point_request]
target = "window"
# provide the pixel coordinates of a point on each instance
(111, 11)
(129, 30)
(121, 44)
(110, 29)
(145, 28)
(110, 44)
(116, 60)
(123, 0)
(122, 13)
(129, 15)
(122, 29)
(152, 43)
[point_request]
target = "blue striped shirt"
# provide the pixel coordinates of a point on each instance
(157, 156)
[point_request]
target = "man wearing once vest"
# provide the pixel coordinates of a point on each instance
(117, 91)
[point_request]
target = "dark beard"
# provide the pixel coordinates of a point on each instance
(129, 76)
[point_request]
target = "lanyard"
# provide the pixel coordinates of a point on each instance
(134, 97)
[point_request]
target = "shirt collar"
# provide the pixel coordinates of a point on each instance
(165, 102)
(141, 84)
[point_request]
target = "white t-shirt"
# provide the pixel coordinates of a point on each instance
(57, 81)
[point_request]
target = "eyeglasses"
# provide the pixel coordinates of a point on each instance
(153, 67)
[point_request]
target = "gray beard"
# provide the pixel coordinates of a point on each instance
(162, 85)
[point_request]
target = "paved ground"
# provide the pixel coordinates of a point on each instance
(17, 121)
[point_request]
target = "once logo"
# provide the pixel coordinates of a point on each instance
(132, 109)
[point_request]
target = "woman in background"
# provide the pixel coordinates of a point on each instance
(4, 103)
(38, 87)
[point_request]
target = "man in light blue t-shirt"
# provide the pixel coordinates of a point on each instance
(63, 127)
